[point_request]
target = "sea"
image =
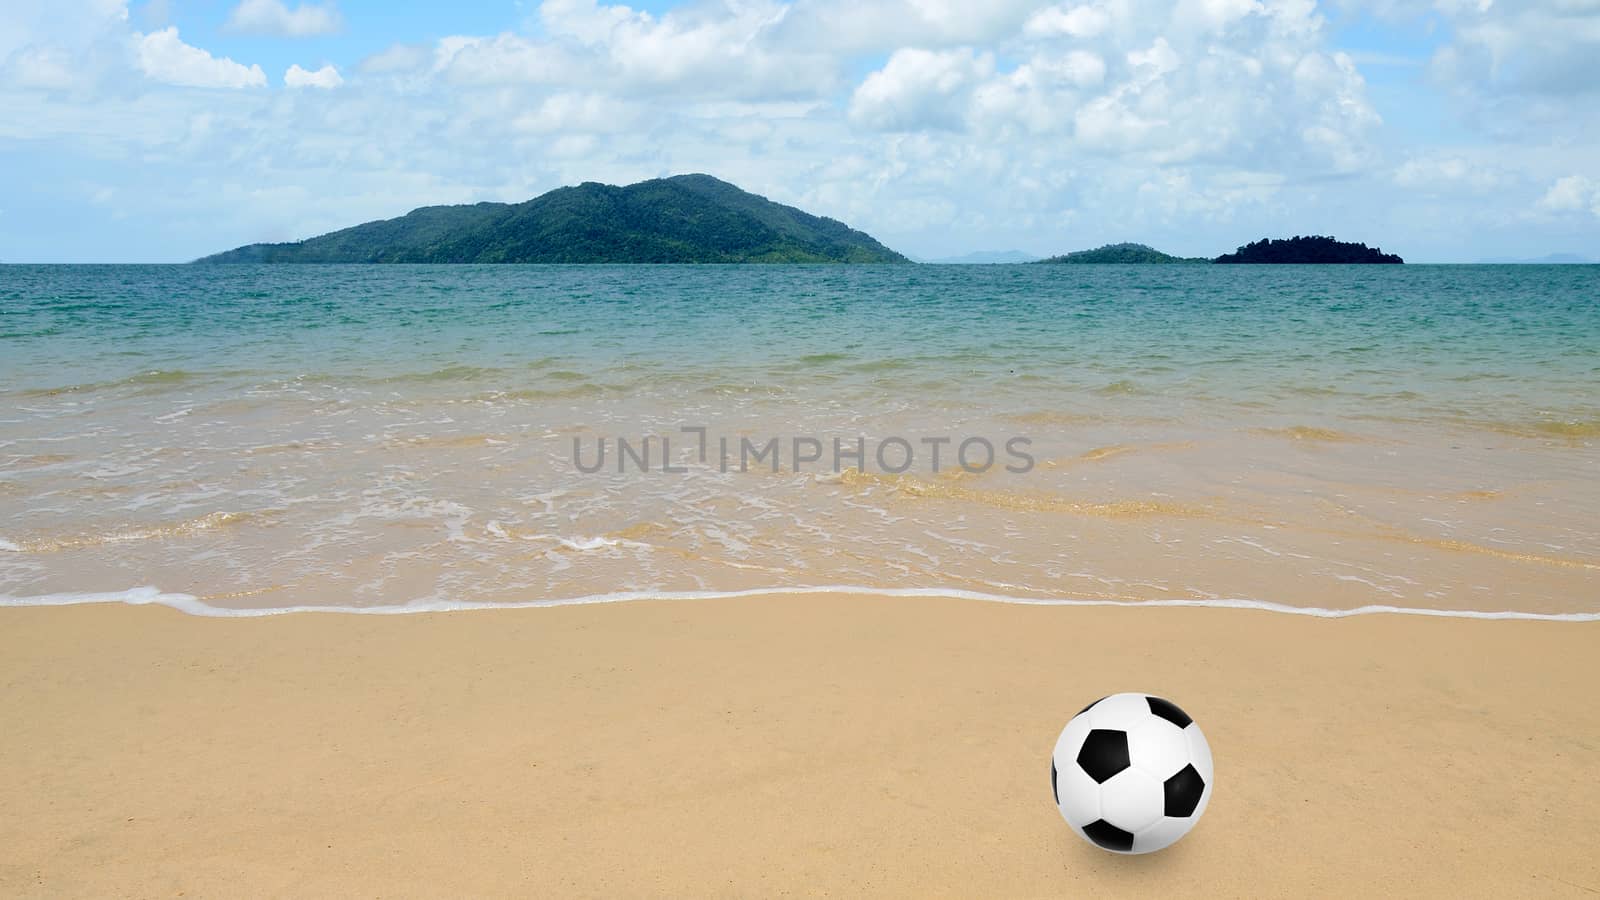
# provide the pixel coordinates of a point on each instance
(248, 440)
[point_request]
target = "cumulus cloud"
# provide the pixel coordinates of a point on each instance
(575, 113)
(502, 59)
(1574, 193)
(163, 57)
(1085, 21)
(273, 17)
(919, 89)
(1524, 45)
(729, 50)
(63, 45)
(1217, 15)
(881, 26)
(691, 53)
(325, 77)
(1217, 80)
(1517, 64)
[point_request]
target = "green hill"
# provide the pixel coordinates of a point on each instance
(1125, 254)
(1316, 250)
(683, 219)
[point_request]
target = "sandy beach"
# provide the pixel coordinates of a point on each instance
(782, 745)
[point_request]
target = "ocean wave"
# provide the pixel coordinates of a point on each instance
(192, 605)
(912, 488)
(1575, 430)
(154, 380)
(183, 528)
(573, 392)
(1312, 434)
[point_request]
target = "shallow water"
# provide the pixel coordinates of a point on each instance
(337, 436)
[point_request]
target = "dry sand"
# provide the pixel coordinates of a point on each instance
(785, 745)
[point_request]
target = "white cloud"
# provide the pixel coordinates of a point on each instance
(398, 58)
(1039, 96)
(63, 45)
(882, 26)
(57, 23)
(1084, 21)
(1528, 47)
(325, 77)
(1156, 61)
(1216, 15)
(48, 68)
(273, 17)
(727, 49)
(1574, 193)
(574, 114)
(1447, 173)
(693, 52)
(1233, 82)
(503, 59)
(919, 89)
(587, 20)
(165, 58)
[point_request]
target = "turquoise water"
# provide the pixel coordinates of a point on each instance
(1511, 343)
(405, 436)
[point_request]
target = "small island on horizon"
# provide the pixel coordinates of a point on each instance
(1312, 250)
(1120, 254)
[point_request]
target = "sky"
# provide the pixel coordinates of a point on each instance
(1442, 130)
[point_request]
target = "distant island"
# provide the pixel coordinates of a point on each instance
(1124, 254)
(985, 258)
(682, 219)
(1552, 259)
(1307, 250)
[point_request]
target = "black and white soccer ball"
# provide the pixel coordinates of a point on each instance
(1131, 773)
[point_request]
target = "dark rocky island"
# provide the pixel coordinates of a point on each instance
(683, 219)
(1124, 254)
(1308, 250)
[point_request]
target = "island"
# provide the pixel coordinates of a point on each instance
(682, 219)
(985, 258)
(1308, 250)
(1125, 254)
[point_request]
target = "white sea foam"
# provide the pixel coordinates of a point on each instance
(595, 543)
(188, 603)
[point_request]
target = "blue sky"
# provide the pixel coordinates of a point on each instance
(1445, 130)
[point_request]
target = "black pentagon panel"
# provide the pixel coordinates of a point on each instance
(1054, 791)
(1090, 706)
(1183, 792)
(1109, 836)
(1104, 754)
(1169, 711)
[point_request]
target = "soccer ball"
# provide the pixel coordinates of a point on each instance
(1131, 773)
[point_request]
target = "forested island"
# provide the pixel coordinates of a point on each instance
(1308, 250)
(682, 219)
(1120, 254)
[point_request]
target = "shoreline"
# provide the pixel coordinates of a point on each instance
(192, 605)
(1414, 441)
(823, 743)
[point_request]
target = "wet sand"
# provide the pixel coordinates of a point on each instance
(806, 745)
